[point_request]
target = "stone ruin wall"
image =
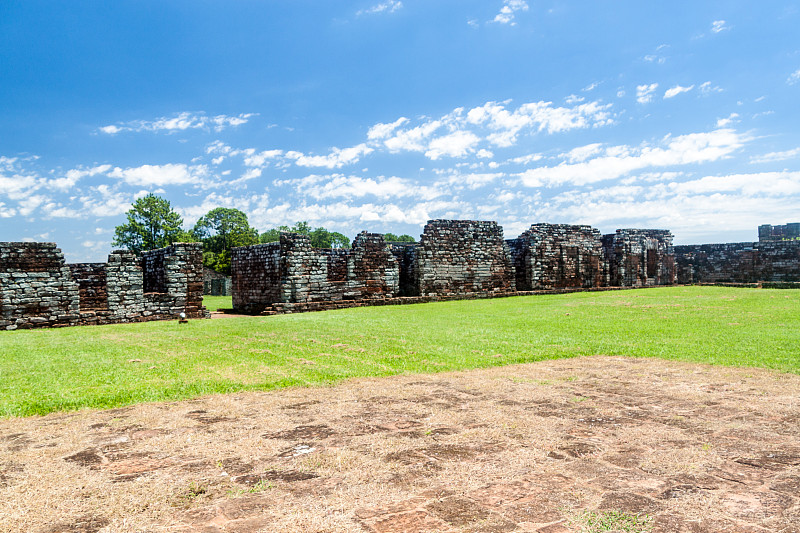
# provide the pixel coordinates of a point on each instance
(462, 257)
(38, 289)
(453, 259)
(553, 256)
(292, 272)
(640, 258)
(741, 262)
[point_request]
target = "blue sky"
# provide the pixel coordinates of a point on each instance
(381, 114)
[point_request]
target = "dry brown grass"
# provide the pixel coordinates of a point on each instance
(523, 448)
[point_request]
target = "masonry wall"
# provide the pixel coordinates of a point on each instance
(552, 256)
(256, 276)
(462, 257)
(639, 258)
(92, 285)
(742, 262)
(292, 271)
(37, 288)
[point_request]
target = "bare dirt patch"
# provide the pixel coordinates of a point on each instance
(524, 448)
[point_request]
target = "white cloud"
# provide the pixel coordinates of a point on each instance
(794, 77)
(775, 156)
(180, 122)
(582, 153)
(508, 11)
(340, 186)
(336, 159)
(259, 159)
(675, 91)
(74, 175)
(390, 6)
(617, 161)
(725, 122)
(161, 175)
(457, 144)
(718, 26)
(381, 131)
(645, 93)
(708, 88)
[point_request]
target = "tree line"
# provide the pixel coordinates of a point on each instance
(152, 223)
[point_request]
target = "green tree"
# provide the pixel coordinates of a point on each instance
(151, 224)
(220, 230)
(319, 237)
(391, 237)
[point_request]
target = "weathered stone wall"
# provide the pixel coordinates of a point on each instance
(37, 289)
(550, 256)
(216, 283)
(768, 232)
(291, 271)
(36, 286)
(92, 285)
(462, 257)
(256, 276)
(741, 262)
(406, 256)
(640, 258)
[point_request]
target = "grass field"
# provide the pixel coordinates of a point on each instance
(105, 366)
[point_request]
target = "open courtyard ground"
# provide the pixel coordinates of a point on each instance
(554, 446)
(521, 414)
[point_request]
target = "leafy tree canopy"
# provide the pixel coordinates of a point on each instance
(391, 237)
(151, 224)
(220, 230)
(320, 237)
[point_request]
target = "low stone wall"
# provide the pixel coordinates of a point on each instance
(463, 256)
(640, 258)
(37, 288)
(741, 262)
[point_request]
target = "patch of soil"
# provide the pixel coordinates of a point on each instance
(83, 524)
(521, 448)
(289, 476)
(202, 416)
(302, 432)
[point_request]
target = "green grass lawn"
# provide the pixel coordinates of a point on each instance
(212, 303)
(104, 366)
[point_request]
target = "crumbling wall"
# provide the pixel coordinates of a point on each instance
(37, 289)
(551, 256)
(462, 257)
(216, 283)
(92, 285)
(256, 276)
(640, 258)
(406, 256)
(742, 262)
(291, 271)
(36, 286)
